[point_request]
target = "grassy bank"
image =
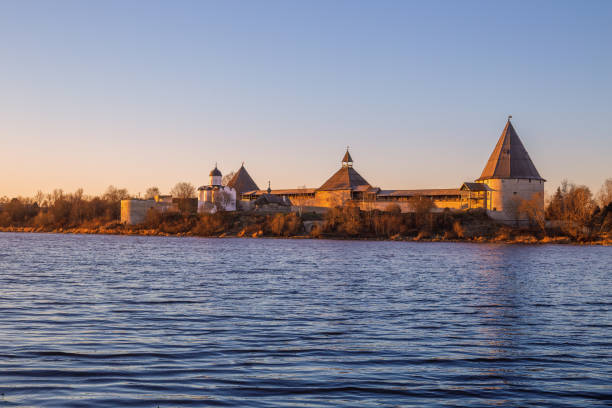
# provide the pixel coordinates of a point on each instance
(339, 223)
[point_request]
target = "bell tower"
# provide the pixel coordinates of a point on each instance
(347, 160)
(215, 176)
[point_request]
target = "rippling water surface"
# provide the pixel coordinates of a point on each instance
(114, 321)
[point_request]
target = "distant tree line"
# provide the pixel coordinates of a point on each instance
(59, 209)
(571, 211)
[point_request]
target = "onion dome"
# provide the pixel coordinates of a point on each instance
(215, 172)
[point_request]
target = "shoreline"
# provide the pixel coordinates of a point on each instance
(520, 240)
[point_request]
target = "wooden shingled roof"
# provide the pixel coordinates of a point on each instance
(510, 159)
(242, 181)
(283, 192)
(423, 192)
(347, 157)
(346, 178)
(468, 186)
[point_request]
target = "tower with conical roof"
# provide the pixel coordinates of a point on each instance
(344, 185)
(242, 182)
(511, 177)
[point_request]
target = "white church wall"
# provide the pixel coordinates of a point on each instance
(210, 199)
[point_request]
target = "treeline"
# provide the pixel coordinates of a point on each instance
(59, 209)
(62, 210)
(572, 211)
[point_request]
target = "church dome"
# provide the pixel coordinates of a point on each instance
(215, 172)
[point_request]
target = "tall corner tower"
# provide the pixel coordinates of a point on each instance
(511, 177)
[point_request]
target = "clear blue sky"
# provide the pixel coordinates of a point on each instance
(142, 93)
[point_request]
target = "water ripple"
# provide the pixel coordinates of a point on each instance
(101, 321)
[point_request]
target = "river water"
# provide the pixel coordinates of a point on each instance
(117, 321)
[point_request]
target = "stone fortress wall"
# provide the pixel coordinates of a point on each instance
(508, 179)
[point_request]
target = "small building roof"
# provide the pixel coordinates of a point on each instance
(423, 192)
(284, 192)
(510, 159)
(366, 188)
(242, 181)
(271, 199)
(469, 186)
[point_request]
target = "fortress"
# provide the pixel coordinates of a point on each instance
(508, 179)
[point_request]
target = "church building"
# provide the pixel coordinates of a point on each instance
(216, 196)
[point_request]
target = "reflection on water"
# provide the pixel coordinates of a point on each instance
(149, 321)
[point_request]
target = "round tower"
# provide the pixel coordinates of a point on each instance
(215, 176)
(511, 177)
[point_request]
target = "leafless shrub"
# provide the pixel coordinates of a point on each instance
(604, 196)
(183, 190)
(534, 211)
(151, 193)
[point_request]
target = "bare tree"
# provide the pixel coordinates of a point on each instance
(39, 198)
(604, 196)
(76, 206)
(222, 200)
(580, 205)
(77, 195)
(534, 211)
(422, 206)
(115, 194)
(301, 199)
(226, 179)
(151, 193)
(572, 205)
(55, 196)
(183, 190)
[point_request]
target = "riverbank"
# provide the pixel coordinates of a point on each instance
(525, 239)
(563, 222)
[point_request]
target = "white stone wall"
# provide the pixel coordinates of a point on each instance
(134, 211)
(507, 194)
